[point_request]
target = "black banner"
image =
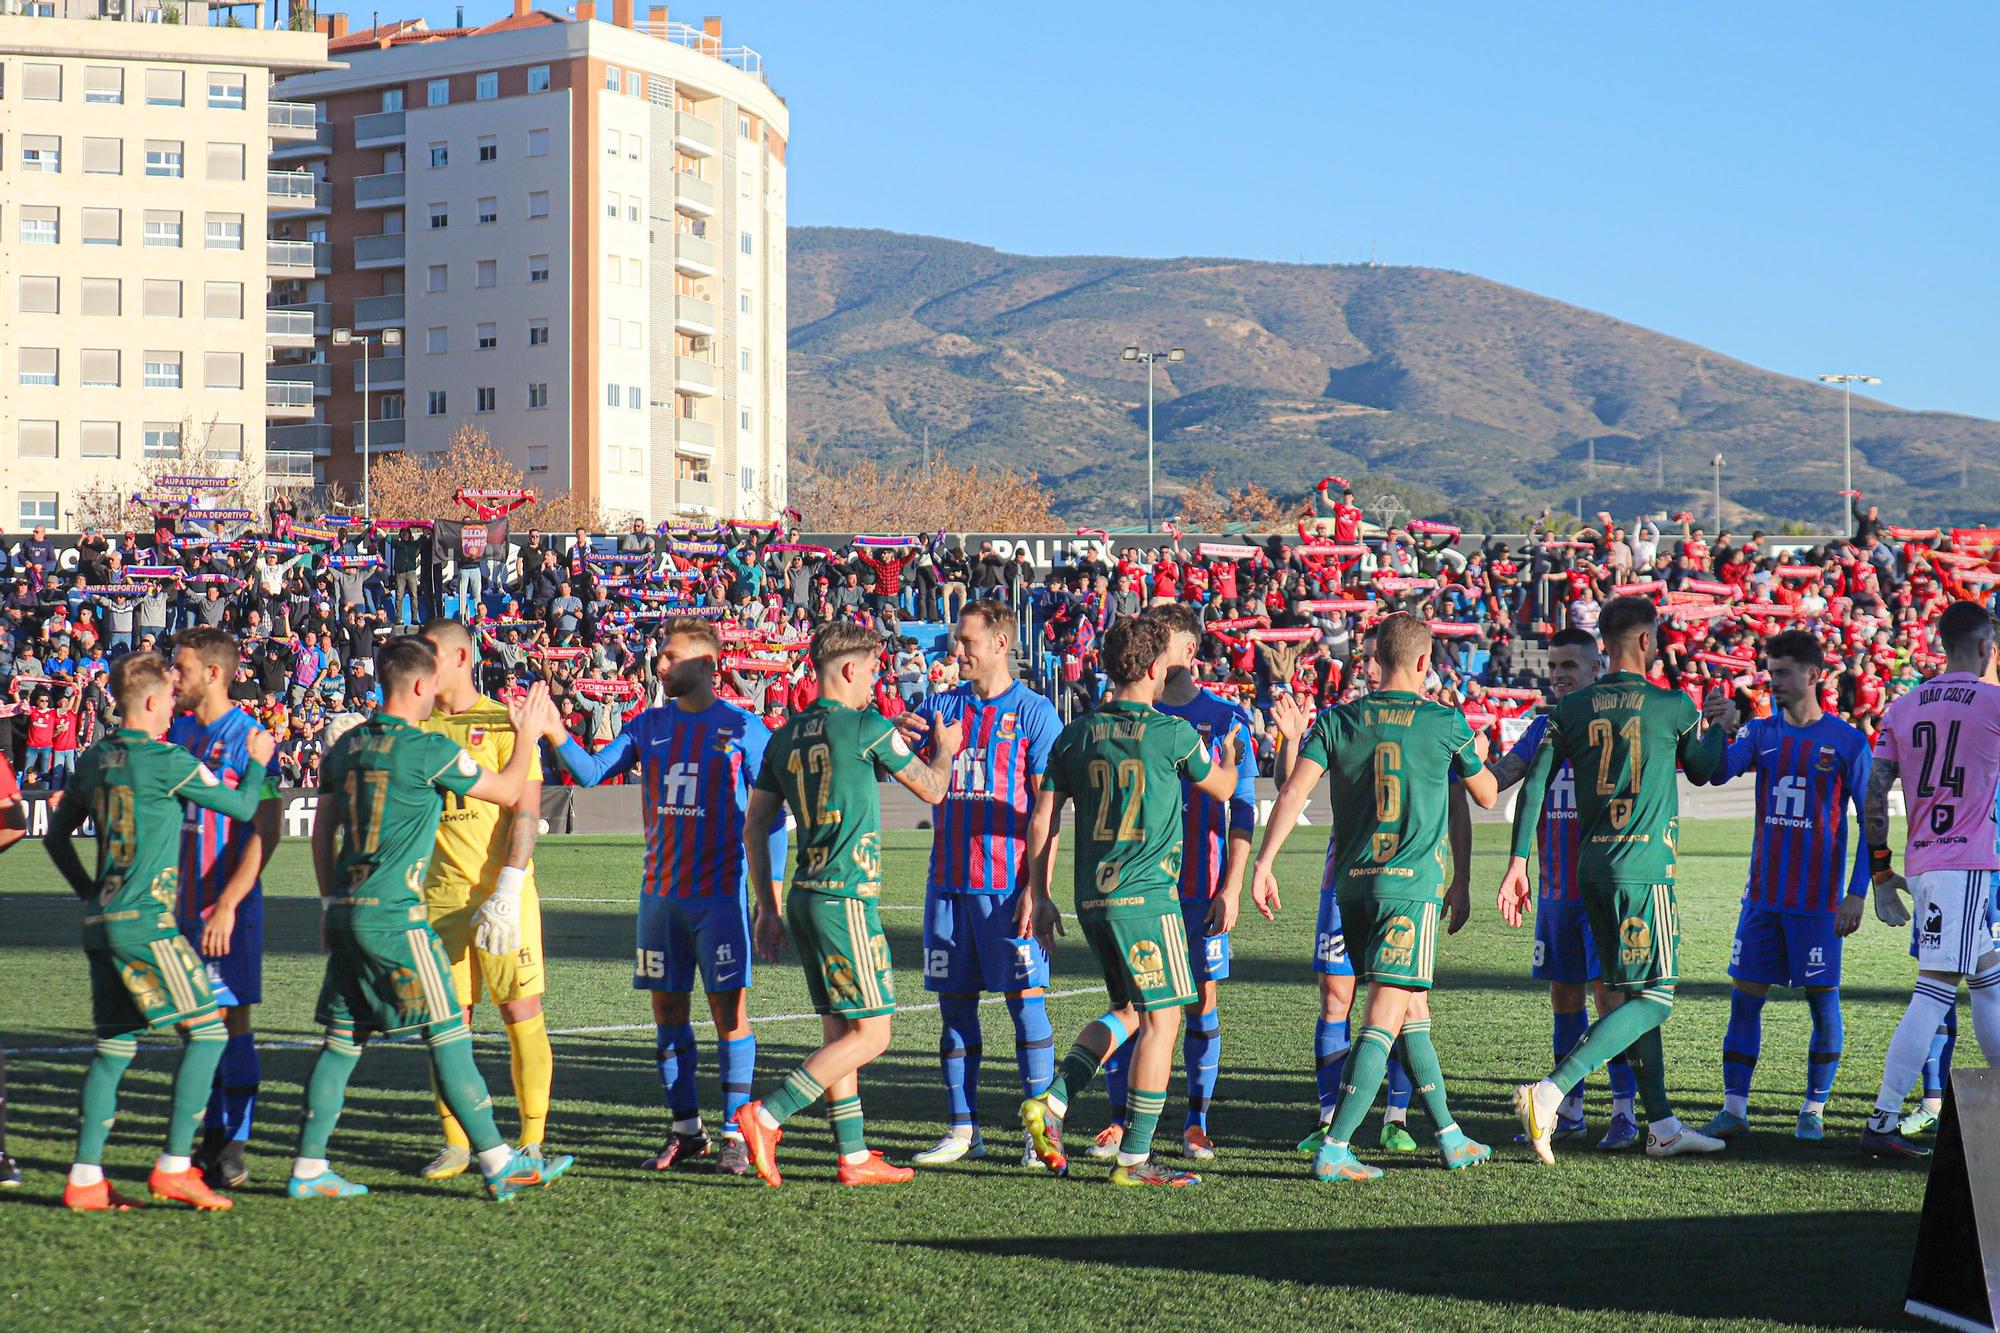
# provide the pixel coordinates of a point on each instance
(470, 541)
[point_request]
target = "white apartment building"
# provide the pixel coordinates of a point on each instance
(578, 228)
(133, 266)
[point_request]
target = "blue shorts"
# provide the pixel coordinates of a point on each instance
(676, 935)
(238, 976)
(1208, 955)
(1774, 948)
(1565, 950)
(1330, 946)
(970, 945)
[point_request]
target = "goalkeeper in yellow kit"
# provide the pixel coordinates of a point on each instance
(481, 893)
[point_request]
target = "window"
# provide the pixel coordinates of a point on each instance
(103, 296)
(486, 273)
(538, 203)
(163, 370)
(538, 268)
(163, 229)
(164, 87)
(225, 161)
(743, 302)
(224, 440)
(98, 439)
(36, 439)
(489, 148)
(437, 92)
(39, 295)
(225, 91)
(538, 78)
(611, 143)
(483, 399)
(434, 403)
(435, 278)
(162, 439)
(538, 395)
(635, 83)
(632, 208)
(489, 210)
(440, 155)
(538, 143)
(392, 407)
(440, 216)
(40, 224)
(392, 99)
(635, 459)
(38, 366)
(538, 458)
(436, 340)
(635, 397)
(743, 127)
(161, 298)
(104, 84)
(538, 333)
(611, 79)
(747, 244)
(163, 157)
(611, 395)
(614, 459)
(614, 269)
(613, 330)
(100, 367)
(41, 83)
(611, 205)
(632, 145)
(489, 336)
(486, 87)
(635, 334)
(222, 370)
(41, 152)
(743, 419)
(38, 508)
(744, 358)
(224, 231)
(222, 300)
(635, 272)
(103, 157)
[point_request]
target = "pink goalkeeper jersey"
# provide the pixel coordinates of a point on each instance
(1944, 738)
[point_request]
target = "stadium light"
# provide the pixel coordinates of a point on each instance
(1175, 354)
(347, 338)
(1131, 354)
(1847, 383)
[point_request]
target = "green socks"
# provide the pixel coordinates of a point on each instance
(458, 1080)
(1078, 1068)
(1620, 1032)
(194, 1082)
(100, 1096)
(1142, 1116)
(1421, 1057)
(1365, 1069)
(795, 1094)
(845, 1117)
(1649, 1066)
(326, 1090)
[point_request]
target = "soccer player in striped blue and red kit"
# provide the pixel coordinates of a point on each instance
(1796, 913)
(697, 757)
(978, 874)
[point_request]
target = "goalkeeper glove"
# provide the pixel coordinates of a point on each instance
(1889, 907)
(496, 927)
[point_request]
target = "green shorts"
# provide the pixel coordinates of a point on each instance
(386, 981)
(1638, 932)
(1144, 958)
(1392, 939)
(845, 953)
(149, 984)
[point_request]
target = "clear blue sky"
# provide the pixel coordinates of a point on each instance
(1809, 187)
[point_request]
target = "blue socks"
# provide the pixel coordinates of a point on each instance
(1201, 1047)
(1568, 1031)
(1114, 1081)
(1034, 1043)
(1624, 1083)
(1398, 1080)
(959, 1052)
(1742, 1041)
(1330, 1043)
(737, 1057)
(233, 1103)
(1829, 1033)
(674, 1050)
(1937, 1065)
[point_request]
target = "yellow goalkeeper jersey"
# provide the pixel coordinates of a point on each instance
(472, 835)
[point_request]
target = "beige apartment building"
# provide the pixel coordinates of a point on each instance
(133, 266)
(577, 227)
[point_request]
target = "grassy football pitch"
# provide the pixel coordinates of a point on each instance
(1772, 1233)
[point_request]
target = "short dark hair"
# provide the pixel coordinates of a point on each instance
(1962, 625)
(1178, 617)
(1131, 648)
(215, 647)
(402, 660)
(1622, 615)
(1400, 640)
(137, 675)
(1797, 645)
(1572, 637)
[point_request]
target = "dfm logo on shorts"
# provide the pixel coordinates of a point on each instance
(680, 786)
(1788, 802)
(1635, 939)
(1399, 940)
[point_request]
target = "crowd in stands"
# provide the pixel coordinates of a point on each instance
(312, 603)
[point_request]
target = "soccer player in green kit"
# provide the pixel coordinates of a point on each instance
(381, 797)
(824, 763)
(1123, 764)
(1390, 755)
(1624, 736)
(143, 974)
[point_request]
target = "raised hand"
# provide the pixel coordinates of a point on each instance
(261, 747)
(946, 737)
(1290, 719)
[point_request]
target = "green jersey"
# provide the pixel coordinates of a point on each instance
(131, 787)
(1389, 757)
(825, 763)
(1123, 766)
(383, 785)
(1623, 735)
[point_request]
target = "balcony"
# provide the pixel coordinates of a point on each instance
(378, 312)
(384, 372)
(694, 255)
(291, 327)
(694, 437)
(385, 251)
(693, 136)
(386, 433)
(297, 259)
(694, 316)
(288, 468)
(318, 144)
(291, 120)
(309, 438)
(380, 191)
(693, 195)
(287, 398)
(317, 375)
(694, 377)
(296, 194)
(693, 494)
(384, 129)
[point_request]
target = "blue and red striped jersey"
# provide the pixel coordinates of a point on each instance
(695, 774)
(1558, 837)
(1206, 822)
(981, 842)
(1805, 778)
(211, 843)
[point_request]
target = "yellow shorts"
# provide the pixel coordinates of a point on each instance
(501, 977)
